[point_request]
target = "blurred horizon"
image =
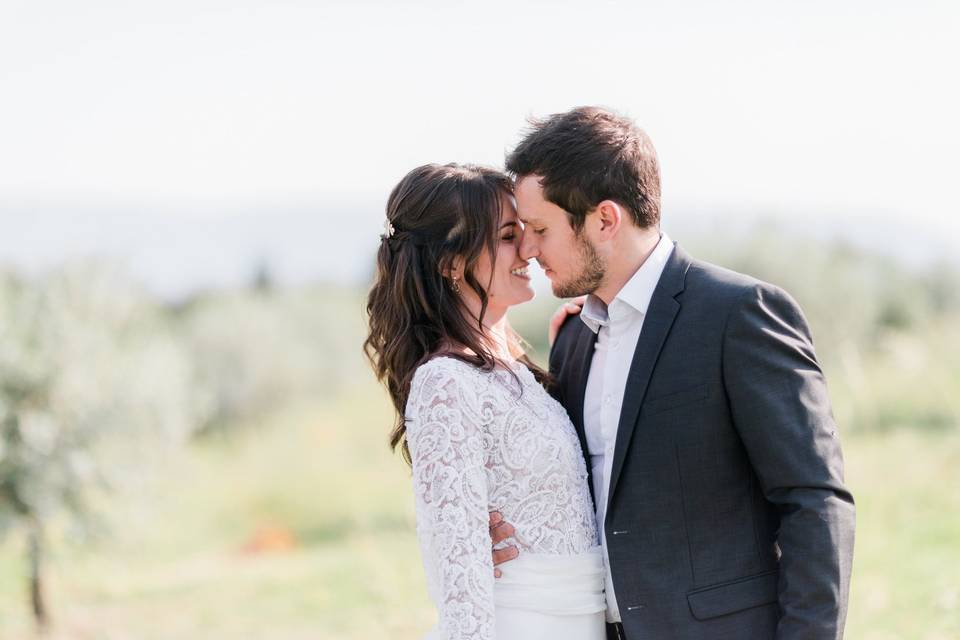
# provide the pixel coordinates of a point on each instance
(180, 252)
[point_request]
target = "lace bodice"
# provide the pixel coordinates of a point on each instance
(480, 442)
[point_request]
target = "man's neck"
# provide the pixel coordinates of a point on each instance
(627, 260)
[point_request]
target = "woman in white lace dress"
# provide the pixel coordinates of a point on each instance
(474, 419)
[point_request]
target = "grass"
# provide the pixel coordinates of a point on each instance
(304, 529)
(905, 583)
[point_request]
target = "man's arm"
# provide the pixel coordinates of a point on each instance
(781, 410)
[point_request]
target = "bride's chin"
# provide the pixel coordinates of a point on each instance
(523, 298)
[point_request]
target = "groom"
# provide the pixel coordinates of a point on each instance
(703, 414)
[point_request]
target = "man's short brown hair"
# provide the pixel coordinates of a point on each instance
(587, 155)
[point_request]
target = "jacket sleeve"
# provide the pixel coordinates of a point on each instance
(450, 491)
(778, 398)
(558, 354)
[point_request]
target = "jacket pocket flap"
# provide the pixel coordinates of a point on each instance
(675, 399)
(731, 597)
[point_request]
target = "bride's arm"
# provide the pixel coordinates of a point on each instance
(450, 486)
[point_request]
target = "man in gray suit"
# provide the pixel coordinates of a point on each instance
(702, 411)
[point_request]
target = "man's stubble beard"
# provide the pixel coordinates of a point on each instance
(591, 274)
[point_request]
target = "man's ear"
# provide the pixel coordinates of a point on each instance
(608, 217)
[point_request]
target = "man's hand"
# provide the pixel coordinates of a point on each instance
(500, 530)
(566, 309)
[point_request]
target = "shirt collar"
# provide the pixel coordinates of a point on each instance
(638, 290)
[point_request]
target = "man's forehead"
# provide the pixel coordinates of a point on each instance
(525, 217)
(533, 212)
(528, 218)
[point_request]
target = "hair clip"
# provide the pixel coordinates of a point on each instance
(388, 228)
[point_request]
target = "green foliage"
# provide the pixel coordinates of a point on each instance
(255, 352)
(91, 383)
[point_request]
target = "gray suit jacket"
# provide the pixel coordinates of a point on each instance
(727, 513)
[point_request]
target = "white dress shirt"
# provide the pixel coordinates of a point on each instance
(618, 328)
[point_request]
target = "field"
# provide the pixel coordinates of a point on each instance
(304, 529)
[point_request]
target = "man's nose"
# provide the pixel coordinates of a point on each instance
(528, 246)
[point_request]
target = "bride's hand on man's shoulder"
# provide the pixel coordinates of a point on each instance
(569, 308)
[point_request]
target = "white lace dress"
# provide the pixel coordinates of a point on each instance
(486, 441)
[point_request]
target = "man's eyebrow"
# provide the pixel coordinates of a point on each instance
(527, 220)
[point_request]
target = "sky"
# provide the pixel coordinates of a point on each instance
(137, 127)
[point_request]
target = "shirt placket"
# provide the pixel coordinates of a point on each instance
(609, 419)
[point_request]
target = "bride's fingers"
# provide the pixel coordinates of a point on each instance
(567, 309)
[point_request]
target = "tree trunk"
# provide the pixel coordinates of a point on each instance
(37, 585)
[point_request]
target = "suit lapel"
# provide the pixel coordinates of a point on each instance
(661, 313)
(581, 360)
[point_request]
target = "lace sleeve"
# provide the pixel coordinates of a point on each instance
(450, 486)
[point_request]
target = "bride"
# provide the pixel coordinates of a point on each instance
(473, 418)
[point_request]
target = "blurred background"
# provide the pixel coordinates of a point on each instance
(191, 193)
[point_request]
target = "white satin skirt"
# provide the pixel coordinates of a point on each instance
(551, 597)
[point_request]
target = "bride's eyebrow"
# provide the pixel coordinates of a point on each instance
(512, 223)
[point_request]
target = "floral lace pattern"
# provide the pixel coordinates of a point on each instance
(486, 441)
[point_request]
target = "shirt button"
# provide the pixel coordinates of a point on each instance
(606, 400)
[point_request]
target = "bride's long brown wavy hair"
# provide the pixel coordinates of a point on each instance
(437, 213)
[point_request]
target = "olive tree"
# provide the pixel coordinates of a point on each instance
(91, 386)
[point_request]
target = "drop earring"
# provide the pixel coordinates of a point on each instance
(456, 285)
